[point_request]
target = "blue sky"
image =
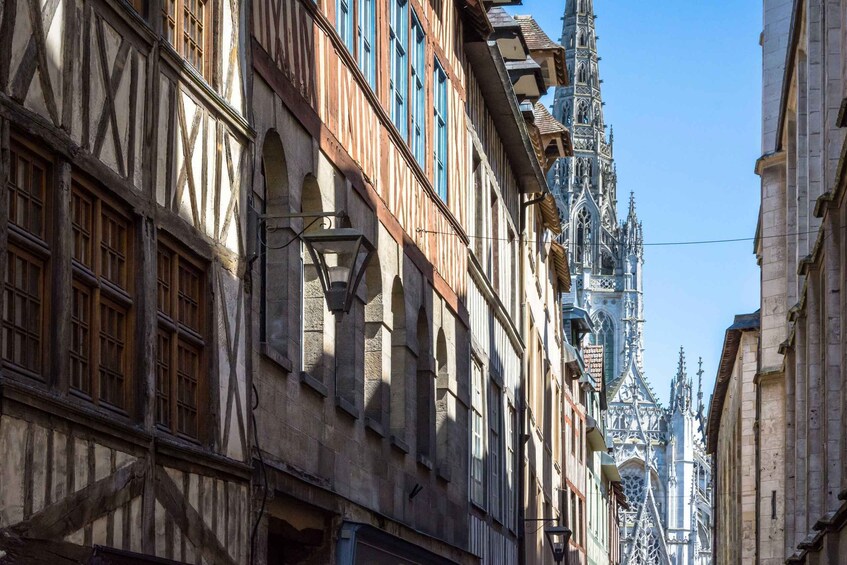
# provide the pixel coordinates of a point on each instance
(682, 87)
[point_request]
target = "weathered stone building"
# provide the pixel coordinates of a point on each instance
(124, 390)
(800, 507)
(733, 443)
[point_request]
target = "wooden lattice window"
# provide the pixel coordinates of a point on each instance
(180, 342)
(186, 24)
(101, 300)
(25, 288)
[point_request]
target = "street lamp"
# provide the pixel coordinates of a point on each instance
(558, 537)
(341, 256)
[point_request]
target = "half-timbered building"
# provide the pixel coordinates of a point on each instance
(124, 393)
(362, 419)
(394, 429)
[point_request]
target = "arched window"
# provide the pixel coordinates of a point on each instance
(604, 334)
(581, 39)
(377, 335)
(315, 313)
(581, 73)
(597, 115)
(424, 405)
(583, 235)
(400, 359)
(633, 487)
(276, 306)
(582, 116)
(442, 412)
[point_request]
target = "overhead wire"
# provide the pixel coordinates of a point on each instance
(648, 244)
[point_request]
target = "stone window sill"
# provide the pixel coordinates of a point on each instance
(400, 445)
(314, 384)
(374, 426)
(346, 407)
(276, 357)
(424, 461)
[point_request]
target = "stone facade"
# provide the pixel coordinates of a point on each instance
(733, 443)
(800, 509)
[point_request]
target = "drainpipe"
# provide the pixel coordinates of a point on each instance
(522, 427)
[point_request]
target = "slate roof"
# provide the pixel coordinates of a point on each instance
(500, 18)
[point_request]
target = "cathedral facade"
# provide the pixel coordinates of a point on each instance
(660, 450)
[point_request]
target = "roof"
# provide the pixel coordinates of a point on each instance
(475, 11)
(495, 85)
(540, 44)
(545, 122)
(500, 19)
(560, 258)
(732, 339)
(533, 34)
(592, 355)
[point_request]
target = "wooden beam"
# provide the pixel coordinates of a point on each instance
(82, 507)
(189, 520)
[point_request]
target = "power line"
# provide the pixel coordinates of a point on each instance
(648, 244)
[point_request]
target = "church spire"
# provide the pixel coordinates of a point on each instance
(579, 105)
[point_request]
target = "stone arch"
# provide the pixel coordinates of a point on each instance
(581, 73)
(581, 39)
(377, 338)
(424, 384)
(275, 303)
(315, 312)
(582, 239)
(442, 402)
(598, 116)
(582, 113)
(400, 361)
(604, 334)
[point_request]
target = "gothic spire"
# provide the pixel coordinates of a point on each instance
(681, 386)
(579, 106)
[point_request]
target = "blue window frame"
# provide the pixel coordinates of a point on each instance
(367, 54)
(439, 88)
(344, 21)
(398, 83)
(417, 98)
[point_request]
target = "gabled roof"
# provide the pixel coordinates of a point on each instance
(631, 372)
(549, 54)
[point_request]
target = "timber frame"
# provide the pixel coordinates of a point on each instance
(94, 86)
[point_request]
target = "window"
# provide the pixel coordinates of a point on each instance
(511, 464)
(180, 341)
(605, 336)
(494, 407)
(581, 75)
(439, 85)
(583, 236)
(186, 25)
(101, 300)
(418, 95)
(398, 32)
(582, 114)
(25, 286)
(344, 22)
(477, 438)
(367, 55)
